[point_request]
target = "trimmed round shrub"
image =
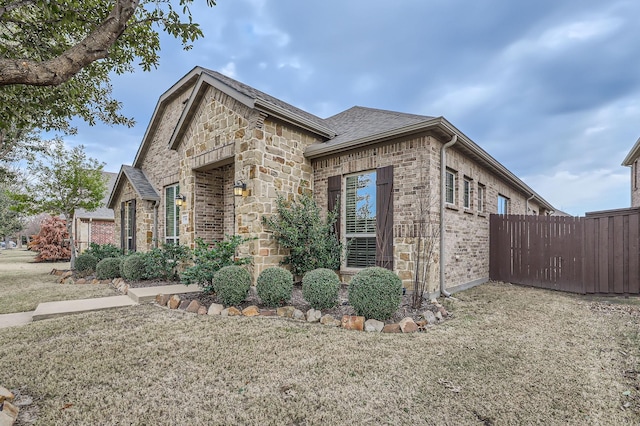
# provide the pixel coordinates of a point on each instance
(133, 267)
(86, 263)
(274, 286)
(375, 293)
(231, 284)
(320, 288)
(108, 268)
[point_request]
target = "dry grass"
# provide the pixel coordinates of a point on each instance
(23, 284)
(510, 355)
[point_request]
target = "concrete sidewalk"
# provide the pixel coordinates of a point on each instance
(68, 307)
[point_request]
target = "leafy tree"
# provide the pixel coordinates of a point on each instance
(64, 180)
(311, 241)
(56, 58)
(10, 221)
(17, 145)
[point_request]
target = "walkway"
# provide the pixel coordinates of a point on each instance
(68, 307)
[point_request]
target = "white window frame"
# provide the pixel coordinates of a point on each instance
(451, 178)
(128, 226)
(503, 201)
(467, 192)
(170, 193)
(349, 233)
(482, 190)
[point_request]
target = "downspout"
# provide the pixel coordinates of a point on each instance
(443, 189)
(156, 206)
(526, 211)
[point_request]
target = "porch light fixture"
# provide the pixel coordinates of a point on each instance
(181, 200)
(239, 188)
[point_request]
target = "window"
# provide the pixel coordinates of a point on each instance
(130, 225)
(450, 187)
(360, 220)
(481, 197)
(466, 193)
(172, 214)
(503, 204)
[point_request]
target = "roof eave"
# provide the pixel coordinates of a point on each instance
(633, 154)
(283, 114)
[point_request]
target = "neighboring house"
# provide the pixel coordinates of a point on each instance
(210, 133)
(631, 161)
(97, 226)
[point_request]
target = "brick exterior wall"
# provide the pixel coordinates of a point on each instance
(416, 164)
(94, 231)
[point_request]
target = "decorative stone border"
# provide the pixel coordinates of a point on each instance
(348, 322)
(8, 411)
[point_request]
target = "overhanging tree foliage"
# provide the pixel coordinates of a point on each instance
(56, 57)
(63, 181)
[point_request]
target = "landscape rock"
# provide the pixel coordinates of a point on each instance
(429, 317)
(392, 328)
(251, 311)
(313, 315)
(443, 311)
(193, 306)
(421, 323)
(352, 322)
(373, 325)
(202, 310)
(285, 311)
(174, 302)
(407, 325)
(215, 309)
(9, 414)
(81, 281)
(5, 395)
(231, 311)
(439, 316)
(298, 314)
(67, 274)
(162, 299)
(267, 312)
(95, 281)
(183, 305)
(328, 320)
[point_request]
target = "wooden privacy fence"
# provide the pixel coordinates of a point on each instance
(599, 253)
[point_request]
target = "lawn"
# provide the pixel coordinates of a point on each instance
(24, 284)
(509, 355)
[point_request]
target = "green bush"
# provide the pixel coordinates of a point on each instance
(274, 286)
(320, 288)
(86, 263)
(210, 258)
(102, 251)
(375, 293)
(299, 227)
(163, 263)
(133, 267)
(232, 284)
(108, 268)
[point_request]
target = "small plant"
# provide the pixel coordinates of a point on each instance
(375, 293)
(210, 258)
(311, 241)
(163, 263)
(85, 264)
(108, 268)
(231, 284)
(133, 267)
(320, 288)
(102, 251)
(274, 286)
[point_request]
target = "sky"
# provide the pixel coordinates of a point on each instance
(549, 88)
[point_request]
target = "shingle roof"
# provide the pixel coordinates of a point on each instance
(102, 212)
(140, 183)
(360, 122)
(257, 94)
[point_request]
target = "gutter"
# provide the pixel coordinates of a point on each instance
(526, 206)
(443, 188)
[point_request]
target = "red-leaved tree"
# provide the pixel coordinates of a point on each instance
(52, 243)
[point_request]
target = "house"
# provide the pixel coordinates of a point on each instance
(632, 161)
(96, 226)
(390, 173)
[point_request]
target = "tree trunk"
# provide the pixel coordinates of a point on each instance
(72, 243)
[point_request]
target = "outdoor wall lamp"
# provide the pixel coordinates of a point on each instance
(181, 200)
(239, 188)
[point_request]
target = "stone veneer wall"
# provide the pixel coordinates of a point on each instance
(144, 218)
(635, 184)
(416, 177)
